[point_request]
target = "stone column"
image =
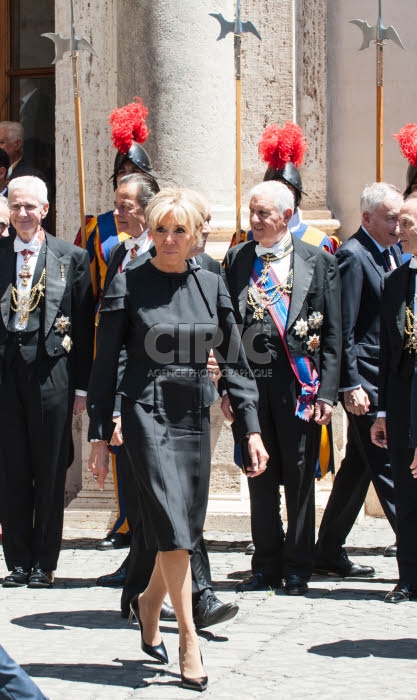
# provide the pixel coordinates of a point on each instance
(268, 79)
(311, 98)
(168, 55)
(98, 88)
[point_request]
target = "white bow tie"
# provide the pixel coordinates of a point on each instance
(131, 243)
(34, 245)
(413, 263)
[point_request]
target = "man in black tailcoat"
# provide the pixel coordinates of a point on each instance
(46, 347)
(286, 296)
(364, 260)
(395, 425)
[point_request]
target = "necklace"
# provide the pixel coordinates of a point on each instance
(23, 304)
(260, 296)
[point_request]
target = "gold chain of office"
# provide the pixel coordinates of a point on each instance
(24, 304)
(260, 298)
(410, 330)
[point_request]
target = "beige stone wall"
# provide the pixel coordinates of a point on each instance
(351, 101)
(98, 89)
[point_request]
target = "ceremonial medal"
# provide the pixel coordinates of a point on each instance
(66, 343)
(313, 343)
(315, 320)
(301, 328)
(25, 273)
(62, 324)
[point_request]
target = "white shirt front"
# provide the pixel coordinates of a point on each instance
(24, 290)
(281, 267)
(144, 242)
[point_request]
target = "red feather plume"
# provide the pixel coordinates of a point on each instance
(279, 146)
(128, 125)
(407, 138)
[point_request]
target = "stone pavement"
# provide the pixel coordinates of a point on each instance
(339, 641)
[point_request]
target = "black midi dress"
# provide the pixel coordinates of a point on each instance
(168, 323)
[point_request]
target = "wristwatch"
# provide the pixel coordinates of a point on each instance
(97, 440)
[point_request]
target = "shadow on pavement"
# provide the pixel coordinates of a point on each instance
(123, 673)
(361, 648)
(80, 543)
(88, 619)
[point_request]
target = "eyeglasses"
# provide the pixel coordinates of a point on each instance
(15, 208)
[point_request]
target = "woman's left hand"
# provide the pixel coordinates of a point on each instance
(258, 455)
(98, 462)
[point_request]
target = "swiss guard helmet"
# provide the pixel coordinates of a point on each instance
(407, 138)
(129, 130)
(282, 149)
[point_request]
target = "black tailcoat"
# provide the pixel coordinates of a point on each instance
(38, 378)
(362, 270)
(396, 371)
(292, 443)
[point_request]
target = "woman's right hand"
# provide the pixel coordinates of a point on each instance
(98, 462)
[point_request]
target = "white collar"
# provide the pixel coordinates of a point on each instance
(34, 244)
(132, 242)
(277, 249)
(413, 263)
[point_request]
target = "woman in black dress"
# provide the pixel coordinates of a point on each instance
(169, 314)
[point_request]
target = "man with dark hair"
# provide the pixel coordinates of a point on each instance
(103, 233)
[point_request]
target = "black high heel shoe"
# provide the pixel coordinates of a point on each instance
(198, 684)
(157, 652)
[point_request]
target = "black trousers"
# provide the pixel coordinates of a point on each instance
(293, 447)
(364, 462)
(405, 486)
(36, 449)
(141, 559)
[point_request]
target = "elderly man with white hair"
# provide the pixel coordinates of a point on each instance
(364, 260)
(46, 345)
(286, 296)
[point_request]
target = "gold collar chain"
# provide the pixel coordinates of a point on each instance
(23, 304)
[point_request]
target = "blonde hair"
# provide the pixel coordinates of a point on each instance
(185, 205)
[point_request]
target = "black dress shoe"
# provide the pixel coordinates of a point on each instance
(258, 582)
(167, 613)
(391, 551)
(18, 577)
(211, 611)
(40, 578)
(250, 549)
(116, 579)
(342, 566)
(116, 541)
(401, 593)
(295, 585)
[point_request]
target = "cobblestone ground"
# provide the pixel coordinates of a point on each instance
(339, 641)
